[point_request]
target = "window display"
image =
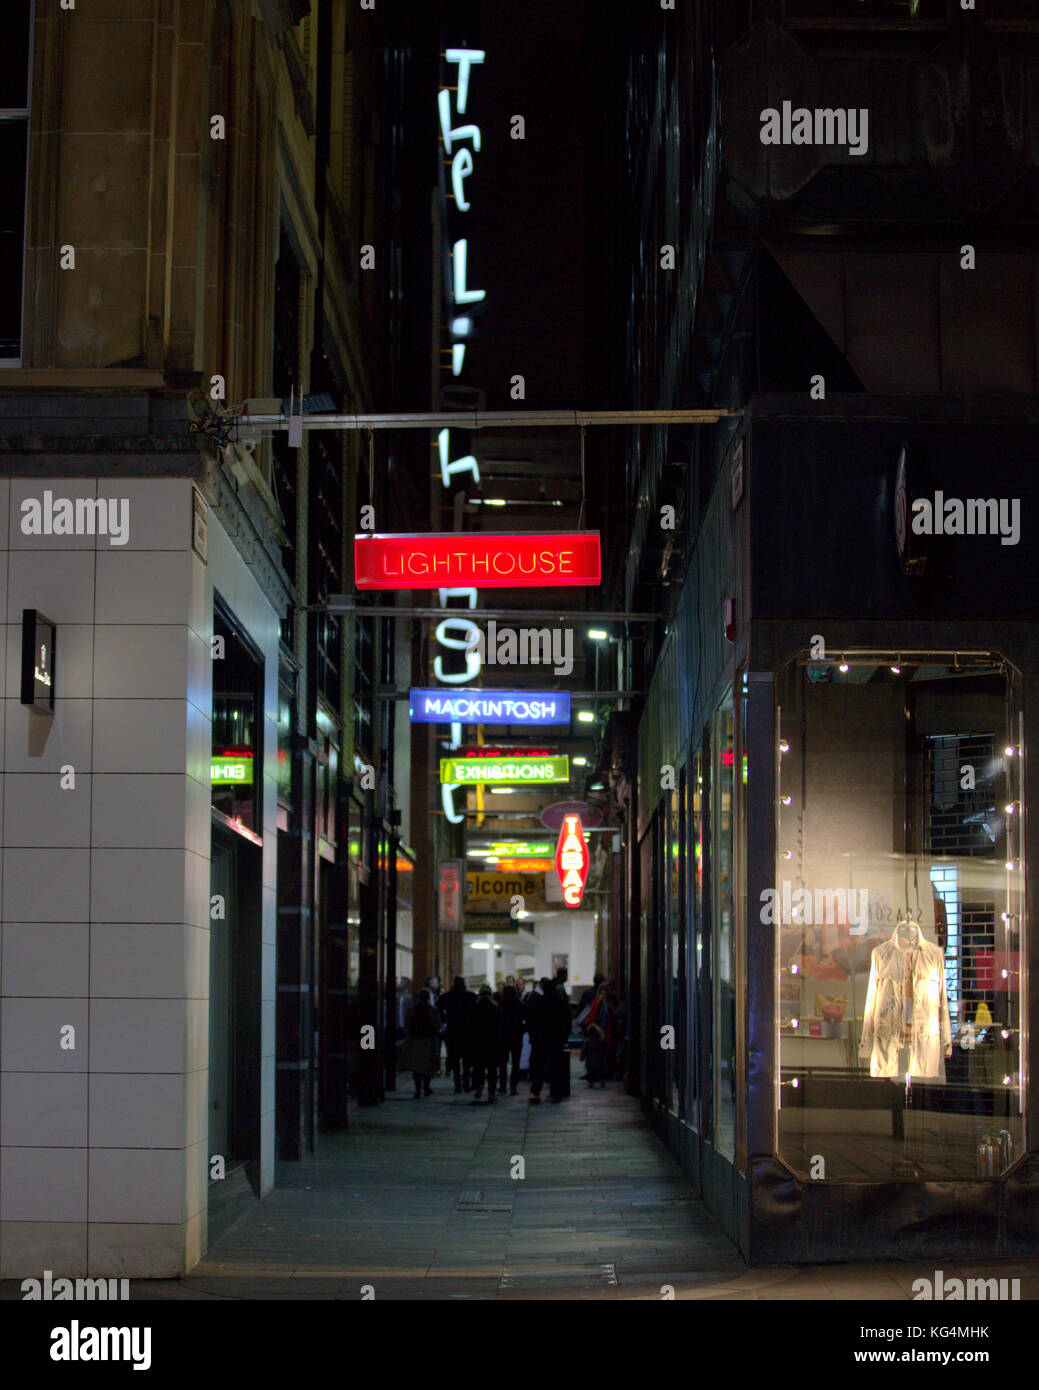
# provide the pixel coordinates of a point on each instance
(906, 1014)
(898, 911)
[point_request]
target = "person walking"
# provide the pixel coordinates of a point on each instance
(457, 1006)
(418, 1052)
(488, 1034)
(433, 985)
(514, 1027)
(537, 1020)
(561, 1052)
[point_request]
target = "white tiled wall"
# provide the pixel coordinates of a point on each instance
(104, 887)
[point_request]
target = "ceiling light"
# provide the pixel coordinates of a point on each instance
(580, 762)
(597, 787)
(501, 791)
(598, 635)
(585, 716)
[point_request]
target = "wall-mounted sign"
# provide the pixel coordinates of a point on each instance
(552, 817)
(495, 892)
(489, 707)
(737, 474)
(231, 767)
(504, 772)
(461, 297)
(572, 860)
(551, 560)
(199, 525)
(488, 750)
(449, 895)
(38, 634)
(539, 849)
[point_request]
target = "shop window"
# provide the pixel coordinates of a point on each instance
(287, 705)
(237, 758)
(673, 983)
(694, 837)
(723, 754)
(898, 915)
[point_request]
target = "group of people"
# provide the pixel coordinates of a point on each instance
(484, 1036)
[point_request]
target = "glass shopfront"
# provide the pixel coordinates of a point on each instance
(724, 956)
(898, 912)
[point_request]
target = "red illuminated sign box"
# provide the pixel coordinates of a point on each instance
(545, 561)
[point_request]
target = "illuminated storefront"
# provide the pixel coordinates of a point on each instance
(831, 957)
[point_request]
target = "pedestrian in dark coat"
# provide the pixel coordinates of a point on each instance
(515, 1026)
(488, 1035)
(457, 1006)
(536, 1010)
(418, 1052)
(560, 1073)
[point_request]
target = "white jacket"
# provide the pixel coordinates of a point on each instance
(884, 1014)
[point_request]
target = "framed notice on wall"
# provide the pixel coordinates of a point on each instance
(38, 634)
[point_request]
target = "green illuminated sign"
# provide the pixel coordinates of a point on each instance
(504, 772)
(521, 849)
(229, 772)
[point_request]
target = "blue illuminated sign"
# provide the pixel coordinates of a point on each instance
(489, 707)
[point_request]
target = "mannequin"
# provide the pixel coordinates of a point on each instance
(906, 1015)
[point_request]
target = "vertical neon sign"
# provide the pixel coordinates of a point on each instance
(572, 860)
(461, 142)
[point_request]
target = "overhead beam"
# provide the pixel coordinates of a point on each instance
(345, 603)
(387, 694)
(481, 419)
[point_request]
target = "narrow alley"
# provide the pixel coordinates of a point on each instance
(415, 1201)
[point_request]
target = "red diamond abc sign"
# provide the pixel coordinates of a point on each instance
(572, 860)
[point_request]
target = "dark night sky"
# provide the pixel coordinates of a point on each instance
(525, 227)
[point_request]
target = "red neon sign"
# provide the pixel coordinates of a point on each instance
(545, 560)
(572, 860)
(488, 750)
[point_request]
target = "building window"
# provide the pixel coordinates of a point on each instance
(237, 755)
(898, 912)
(15, 58)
